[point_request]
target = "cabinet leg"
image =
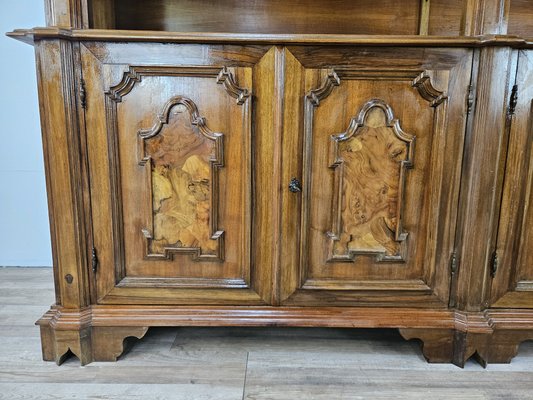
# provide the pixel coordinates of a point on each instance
(58, 344)
(108, 343)
(88, 344)
(442, 346)
(66, 332)
(437, 344)
(467, 345)
(504, 345)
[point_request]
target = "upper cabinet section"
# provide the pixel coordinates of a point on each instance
(270, 17)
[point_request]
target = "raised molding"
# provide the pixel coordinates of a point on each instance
(337, 164)
(492, 336)
(113, 96)
(422, 82)
(332, 79)
(426, 89)
(196, 120)
(226, 78)
(134, 75)
(179, 283)
(217, 162)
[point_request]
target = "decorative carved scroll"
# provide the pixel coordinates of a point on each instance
(183, 156)
(370, 159)
(332, 80)
(225, 77)
(426, 89)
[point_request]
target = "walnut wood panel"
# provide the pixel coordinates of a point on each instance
(513, 278)
(101, 14)
(171, 180)
(373, 230)
(183, 157)
(302, 16)
(445, 17)
(521, 18)
(370, 160)
(64, 158)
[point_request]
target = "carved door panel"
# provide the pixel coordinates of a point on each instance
(170, 151)
(382, 132)
(512, 267)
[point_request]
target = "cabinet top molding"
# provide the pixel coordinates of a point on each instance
(31, 35)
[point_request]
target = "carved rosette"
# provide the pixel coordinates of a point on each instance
(370, 160)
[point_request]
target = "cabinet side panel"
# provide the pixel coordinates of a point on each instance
(480, 185)
(63, 170)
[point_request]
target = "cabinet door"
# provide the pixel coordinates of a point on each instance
(382, 134)
(513, 268)
(169, 134)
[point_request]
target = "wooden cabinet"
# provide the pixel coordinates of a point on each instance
(354, 173)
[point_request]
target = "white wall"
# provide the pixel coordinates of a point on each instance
(24, 228)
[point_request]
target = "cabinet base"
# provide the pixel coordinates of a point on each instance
(98, 333)
(62, 335)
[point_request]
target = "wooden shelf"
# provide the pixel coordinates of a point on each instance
(259, 16)
(31, 35)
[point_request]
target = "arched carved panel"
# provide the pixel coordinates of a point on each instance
(113, 96)
(370, 160)
(183, 157)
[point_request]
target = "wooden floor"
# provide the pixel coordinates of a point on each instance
(236, 363)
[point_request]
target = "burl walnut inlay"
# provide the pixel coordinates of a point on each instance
(183, 158)
(370, 159)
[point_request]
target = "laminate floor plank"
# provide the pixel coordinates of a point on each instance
(275, 376)
(19, 315)
(88, 391)
(28, 278)
(26, 296)
(19, 331)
